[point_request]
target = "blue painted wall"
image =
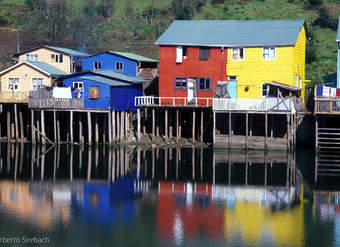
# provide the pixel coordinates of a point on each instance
(338, 70)
(108, 62)
(110, 97)
(232, 89)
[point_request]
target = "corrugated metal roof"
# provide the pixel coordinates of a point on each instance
(105, 80)
(60, 49)
(133, 56)
(232, 33)
(47, 68)
(120, 76)
(338, 36)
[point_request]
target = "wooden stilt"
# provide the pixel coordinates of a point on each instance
(170, 132)
(71, 164)
(157, 122)
(118, 125)
(38, 128)
(21, 122)
(58, 128)
(288, 134)
(126, 124)
(43, 141)
(180, 126)
(229, 131)
(316, 134)
(80, 125)
(202, 119)
(166, 163)
(71, 126)
(89, 157)
(16, 122)
(145, 120)
(54, 127)
(177, 125)
(109, 128)
(153, 123)
(113, 126)
(193, 124)
(96, 130)
(138, 124)
(104, 129)
(166, 123)
(32, 129)
(265, 130)
(251, 125)
(214, 127)
(247, 130)
(89, 127)
(122, 118)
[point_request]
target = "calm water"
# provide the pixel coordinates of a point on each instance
(164, 197)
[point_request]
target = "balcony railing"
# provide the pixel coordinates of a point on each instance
(54, 103)
(172, 101)
(326, 105)
(14, 97)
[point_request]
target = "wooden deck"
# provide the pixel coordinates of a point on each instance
(326, 105)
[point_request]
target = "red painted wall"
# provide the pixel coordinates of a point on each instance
(192, 66)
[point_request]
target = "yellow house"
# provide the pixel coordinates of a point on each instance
(18, 80)
(64, 59)
(270, 56)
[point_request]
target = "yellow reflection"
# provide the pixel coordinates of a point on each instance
(43, 212)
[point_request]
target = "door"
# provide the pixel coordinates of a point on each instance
(232, 89)
(192, 89)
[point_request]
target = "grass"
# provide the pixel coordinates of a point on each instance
(13, 2)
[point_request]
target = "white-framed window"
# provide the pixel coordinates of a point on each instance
(237, 53)
(78, 85)
(31, 57)
(232, 78)
(119, 65)
(37, 83)
(268, 53)
(179, 54)
(265, 89)
(13, 84)
(57, 58)
(97, 65)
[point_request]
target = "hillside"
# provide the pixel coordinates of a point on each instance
(97, 25)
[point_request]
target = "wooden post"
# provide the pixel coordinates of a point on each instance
(193, 125)
(288, 135)
(109, 128)
(58, 128)
(138, 124)
(177, 125)
(104, 129)
(32, 125)
(16, 123)
(8, 125)
(316, 134)
(157, 122)
(38, 128)
(80, 125)
(89, 127)
(127, 117)
(118, 125)
(113, 125)
(229, 131)
(202, 119)
(43, 141)
(153, 123)
(71, 126)
(265, 130)
(247, 126)
(71, 163)
(122, 118)
(89, 154)
(21, 122)
(54, 126)
(166, 123)
(180, 125)
(251, 125)
(144, 120)
(214, 127)
(96, 130)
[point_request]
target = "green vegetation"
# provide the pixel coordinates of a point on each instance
(97, 25)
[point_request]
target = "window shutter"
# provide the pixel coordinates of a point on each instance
(94, 93)
(204, 53)
(179, 54)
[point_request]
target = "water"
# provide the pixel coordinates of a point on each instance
(164, 197)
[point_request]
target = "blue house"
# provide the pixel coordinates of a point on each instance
(122, 62)
(338, 66)
(105, 89)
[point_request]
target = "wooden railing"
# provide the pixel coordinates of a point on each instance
(172, 101)
(54, 103)
(326, 105)
(14, 97)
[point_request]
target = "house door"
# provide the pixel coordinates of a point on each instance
(232, 89)
(192, 88)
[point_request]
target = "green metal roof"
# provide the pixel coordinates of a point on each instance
(232, 33)
(68, 51)
(338, 36)
(53, 71)
(133, 56)
(105, 80)
(120, 76)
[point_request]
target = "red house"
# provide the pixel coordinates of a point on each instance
(189, 68)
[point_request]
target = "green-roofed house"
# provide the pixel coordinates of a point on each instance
(65, 59)
(124, 63)
(19, 79)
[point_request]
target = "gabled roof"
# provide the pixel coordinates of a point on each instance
(133, 56)
(40, 66)
(232, 33)
(55, 48)
(338, 36)
(105, 80)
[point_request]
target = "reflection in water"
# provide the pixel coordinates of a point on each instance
(186, 196)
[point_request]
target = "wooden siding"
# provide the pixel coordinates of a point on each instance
(191, 66)
(44, 55)
(300, 57)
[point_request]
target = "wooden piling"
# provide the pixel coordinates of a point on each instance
(109, 127)
(316, 134)
(113, 126)
(138, 124)
(177, 125)
(89, 127)
(229, 131)
(58, 128)
(80, 126)
(21, 123)
(288, 135)
(54, 127)
(193, 124)
(16, 122)
(265, 130)
(122, 119)
(247, 126)
(96, 130)
(8, 125)
(157, 122)
(43, 141)
(153, 123)
(166, 123)
(104, 130)
(214, 127)
(32, 129)
(71, 126)
(202, 119)
(118, 125)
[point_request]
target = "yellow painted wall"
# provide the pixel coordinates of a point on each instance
(25, 74)
(44, 55)
(253, 70)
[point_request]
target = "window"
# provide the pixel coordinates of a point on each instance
(94, 93)
(232, 78)
(237, 54)
(179, 54)
(37, 83)
(204, 83)
(180, 83)
(78, 85)
(204, 53)
(31, 57)
(57, 58)
(185, 52)
(119, 66)
(265, 89)
(13, 84)
(268, 53)
(97, 65)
